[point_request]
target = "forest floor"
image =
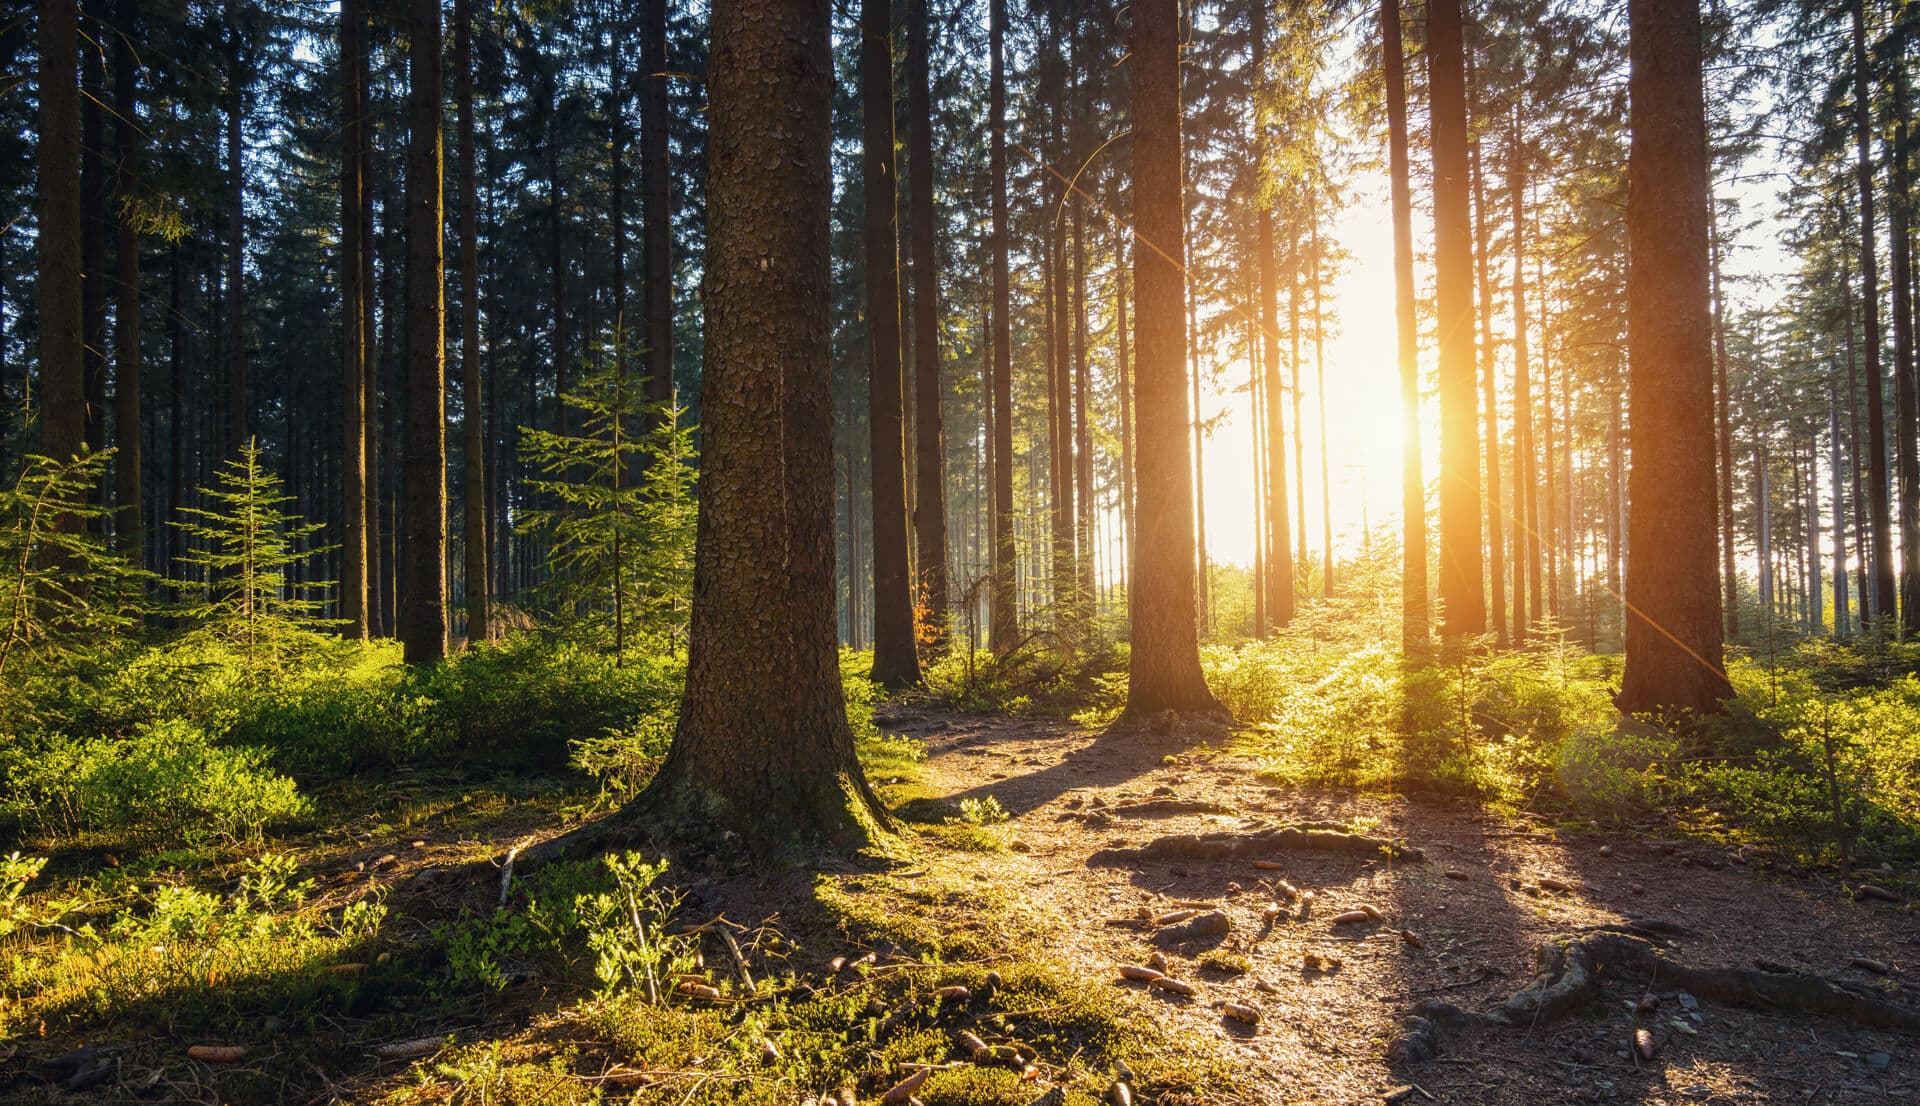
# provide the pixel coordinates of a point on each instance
(1475, 903)
(1036, 886)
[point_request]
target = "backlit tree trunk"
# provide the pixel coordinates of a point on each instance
(1278, 585)
(1462, 591)
(1414, 611)
(423, 555)
(353, 346)
(1673, 632)
(1878, 502)
(1003, 602)
(895, 660)
(929, 442)
(1164, 669)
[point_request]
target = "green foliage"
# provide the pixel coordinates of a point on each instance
(165, 780)
(619, 536)
(62, 591)
(245, 548)
(611, 912)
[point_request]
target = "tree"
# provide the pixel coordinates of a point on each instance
(1673, 633)
(763, 746)
(1278, 585)
(355, 304)
(1414, 612)
(1884, 599)
(1003, 606)
(929, 442)
(1462, 590)
(1163, 671)
(62, 399)
(473, 429)
(128, 524)
(423, 554)
(656, 206)
(896, 662)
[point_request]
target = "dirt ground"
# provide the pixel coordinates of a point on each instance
(1475, 904)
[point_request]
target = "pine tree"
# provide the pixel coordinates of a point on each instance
(423, 596)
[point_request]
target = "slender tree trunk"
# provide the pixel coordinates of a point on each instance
(656, 173)
(1673, 636)
(1164, 667)
(1124, 386)
(763, 746)
(239, 387)
(379, 610)
(895, 661)
(1729, 572)
(1320, 400)
(423, 609)
(1084, 537)
(1462, 591)
(1415, 613)
(1842, 617)
(1878, 505)
(1528, 580)
(353, 346)
(1004, 593)
(1906, 402)
(129, 524)
(62, 392)
(472, 402)
(1489, 385)
(96, 197)
(1278, 583)
(930, 444)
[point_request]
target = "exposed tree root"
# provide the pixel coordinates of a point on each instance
(1571, 971)
(1246, 846)
(1168, 808)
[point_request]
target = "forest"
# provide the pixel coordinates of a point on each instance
(959, 552)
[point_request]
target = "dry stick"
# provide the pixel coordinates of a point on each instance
(506, 875)
(640, 931)
(739, 961)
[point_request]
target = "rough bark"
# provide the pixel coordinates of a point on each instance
(896, 663)
(1673, 632)
(1164, 669)
(1461, 589)
(1878, 502)
(1489, 384)
(1906, 402)
(423, 610)
(96, 198)
(656, 203)
(62, 396)
(472, 403)
(1414, 611)
(929, 442)
(763, 746)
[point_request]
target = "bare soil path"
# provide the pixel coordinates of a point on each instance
(1330, 996)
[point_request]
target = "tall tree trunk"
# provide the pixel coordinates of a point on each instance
(1414, 610)
(1489, 385)
(239, 430)
(1084, 537)
(930, 445)
(1462, 591)
(1527, 577)
(1729, 573)
(1878, 504)
(1906, 402)
(1673, 634)
(129, 524)
(1842, 618)
(1004, 593)
(656, 173)
(472, 402)
(354, 306)
(423, 609)
(1164, 667)
(1320, 399)
(1122, 296)
(763, 746)
(96, 196)
(1278, 584)
(895, 660)
(62, 392)
(372, 354)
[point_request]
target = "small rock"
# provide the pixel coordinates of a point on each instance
(1687, 1001)
(1606, 850)
(1418, 1041)
(1213, 923)
(1878, 1061)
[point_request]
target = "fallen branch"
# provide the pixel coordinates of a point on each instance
(1244, 846)
(1571, 971)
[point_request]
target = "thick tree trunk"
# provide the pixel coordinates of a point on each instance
(1414, 609)
(353, 345)
(1278, 584)
(896, 662)
(1164, 669)
(930, 446)
(62, 393)
(1003, 596)
(472, 403)
(1878, 504)
(423, 609)
(96, 197)
(1462, 591)
(128, 523)
(656, 173)
(1673, 633)
(763, 747)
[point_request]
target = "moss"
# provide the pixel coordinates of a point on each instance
(1225, 962)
